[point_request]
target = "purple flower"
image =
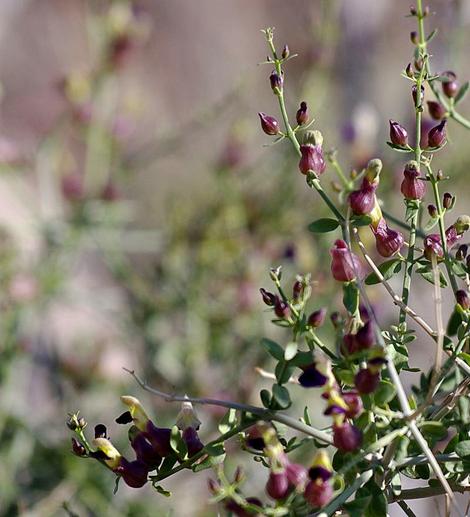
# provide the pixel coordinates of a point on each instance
(159, 437)
(354, 402)
(318, 493)
(437, 135)
(143, 449)
(346, 437)
(134, 473)
(436, 110)
(269, 124)
(451, 86)
(345, 265)
(312, 377)
(312, 159)
(317, 318)
(366, 381)
(302, 114)
(463, 299)
(277, 486)
(387, 241)
(297, 475)
(398, 134)
(412, 187)
(363, 201)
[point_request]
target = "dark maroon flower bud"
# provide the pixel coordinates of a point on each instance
(437, 135)
(254, 439)
(387, 241)
(268, 298)
(312, 377)
(312, 159)
(297, 290)
(160, 438)
(426, 11)
(461, 252)
(346, 437)
(281, 308)
(237, 510)
(134, 473)
(413, 11)
(419, 63)
(433, 246)
(144, 450)
(436, 110)
(213, 486)
(398, 134)
(354, 403)
(366, 381)
(276, 81)
(100, 431)
(302, 114)
(432, 210)
(285, 52)
(447, 201)
(415, 96)
(362, 201)
(120, 50)
(412, 187)
(72, 187)
(345, 265)
(318, 493)
(297, 475)
(366, 337)
(463, 299)
(277, 486)
(414, 37)
(317, 318)
(192, 441)
(450, 87)
(336, 319)
(110, 192)
(269, 124)
(350, 345)
(409, 70)
(439, 175)
(77, 448)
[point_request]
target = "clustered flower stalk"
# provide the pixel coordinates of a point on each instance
(373, 423)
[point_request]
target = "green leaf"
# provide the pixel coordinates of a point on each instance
(273, 349)
(356, 508)
(387, 268)
(281, 396)
(162, 491)
(228, 422)
(167, 464)
(265, 397)
(428, 275)
(307, 416)
(431, 35)
(351, 297)
(462, 449)
(384, 393)
(465, 357)
(216, 449)
(434, 429)
(177, 443)
(431, 223)
(290, 351)
(302, 359)
(462, 93)
(454, 323)
(324, 225)
(283, 371)
(362, 220)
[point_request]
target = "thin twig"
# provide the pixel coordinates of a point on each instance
(263, 413)
(269, 375)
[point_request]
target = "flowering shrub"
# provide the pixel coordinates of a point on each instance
(376, 434)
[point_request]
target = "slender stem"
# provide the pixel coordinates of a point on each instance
(440, 215)
(313, 181)
(190, 461)
(424, 492)
(401, 224)
(255, 410)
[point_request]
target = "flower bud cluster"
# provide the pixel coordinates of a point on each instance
(150, 443)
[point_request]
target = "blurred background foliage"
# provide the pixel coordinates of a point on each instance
(140, 212)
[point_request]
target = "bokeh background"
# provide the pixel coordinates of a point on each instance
(140, 211)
